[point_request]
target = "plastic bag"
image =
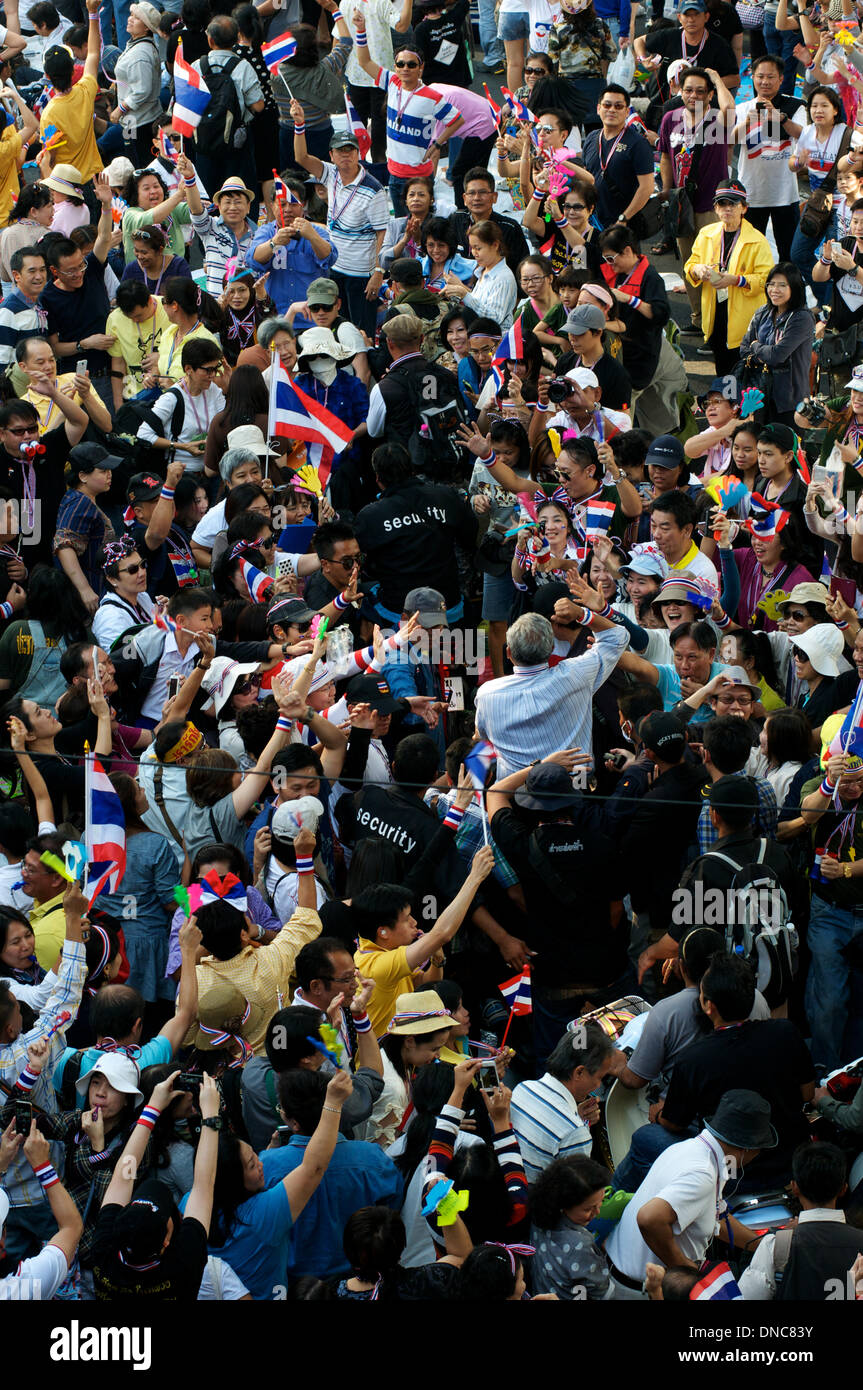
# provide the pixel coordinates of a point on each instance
(622, 69)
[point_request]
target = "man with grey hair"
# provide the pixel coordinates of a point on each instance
(551, 1116)
(240, 463)
(541, 708)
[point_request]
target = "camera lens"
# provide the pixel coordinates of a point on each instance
(558, 390)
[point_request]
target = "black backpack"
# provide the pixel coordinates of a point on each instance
(128, 421)
(437, 412)
(758, 924)
(221, 128)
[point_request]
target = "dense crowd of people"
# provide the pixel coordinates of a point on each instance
(431, 861)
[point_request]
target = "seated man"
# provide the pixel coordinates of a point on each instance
(551, 1116)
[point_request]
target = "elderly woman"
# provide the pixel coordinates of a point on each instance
(730, 260)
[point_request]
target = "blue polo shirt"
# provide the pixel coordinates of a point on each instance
(292, 269)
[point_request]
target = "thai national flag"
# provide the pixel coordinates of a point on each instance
(163, 621)
(104, 829)
(493, 106)
(166, 149)
(520, 110)
(510, 349)
(516, 992)
(717, 1286)
(364, 140)
(598, 517)
(766, 519)
(298, 416)
(259, 585)
(191, 96)
(850, 737)
(478, 761)
(277, 50)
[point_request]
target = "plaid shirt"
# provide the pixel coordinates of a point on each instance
(765, 821)
(469, 837)
(22, 1187)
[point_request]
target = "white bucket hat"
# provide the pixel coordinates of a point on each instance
(824, 645)
(321, 342)
(120, 1071)
(223, 675)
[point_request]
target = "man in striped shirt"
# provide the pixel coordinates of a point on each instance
(540, 709)
(413, 110)
(227, 237)
(551, 1116)
(21, 314)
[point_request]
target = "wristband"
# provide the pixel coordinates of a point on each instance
(362, 1023)
(606, 611)
(305, 864)
(6, 610)
(300, 129)
(453, 818)
(333, 1109)
(741, 282)
(190, 183)
(27, 1080)
(361, 40)
(341, 603)
(587, 619)
(561, 223)
(167, 492)
(827, 788)
(634, 301)
(824, 260)
(723, 621)
(148, 1116)
(47, 1175)
(841, 626)
(536, 193)
(337, 15)
(491, 460)
(544, 408)
(283, 724)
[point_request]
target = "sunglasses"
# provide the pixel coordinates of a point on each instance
(799, 654)
(546, 129)
(609, 260)
(400, 64)
(797, 617)
(212, 371)
(575, 207)
(536, 72)
(267, 543)
(247, 686)
(133, 569)
(349, 561)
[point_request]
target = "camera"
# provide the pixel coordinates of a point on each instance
(189, 1081)
(23, 1117)
(616, 760)
(814, 408)
(558, 389)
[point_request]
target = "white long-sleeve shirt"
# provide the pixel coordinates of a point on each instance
(494, 295)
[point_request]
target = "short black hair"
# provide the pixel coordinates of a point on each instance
(819, 1170)
(314, 960)
(727, 740)
(416, 760)
(702, 634)
(566, 1182)
(638, 701)
(478, 172)
(288, 1033)
(377, 907)
(17, 259)
(301, 1096)
(391, 464)
(16, 827)
(221, 926)
(200, 352)
(729, 984)
(677, 504)
(114, 1011)
(328, 535)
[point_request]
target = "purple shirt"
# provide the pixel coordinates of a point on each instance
(478, 120)
(712, 162)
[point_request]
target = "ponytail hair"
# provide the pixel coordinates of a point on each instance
(195, 302)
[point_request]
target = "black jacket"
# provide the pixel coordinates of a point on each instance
(515, 247)
(655, 846)
(409, 536)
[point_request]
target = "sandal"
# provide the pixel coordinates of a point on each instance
(665, 248)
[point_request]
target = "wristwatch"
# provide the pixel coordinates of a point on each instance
(214, 1122)
(847, 870)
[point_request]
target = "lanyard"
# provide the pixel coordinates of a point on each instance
(175, 341)
(161, 273)
(336, 212)
(191, 401)
(401, 108)
(604, 163)
(245, 325)
(691, 57)
(725, 254)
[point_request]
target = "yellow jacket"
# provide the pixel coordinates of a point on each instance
(750, 257)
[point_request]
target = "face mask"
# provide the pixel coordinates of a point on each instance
(324, 369)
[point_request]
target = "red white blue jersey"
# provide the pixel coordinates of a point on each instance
(411, 121)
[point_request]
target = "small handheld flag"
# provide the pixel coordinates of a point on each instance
(478, 761)
(517, 107)
(166, 149)
(258, 584)
(358, 128)
(717, 1286)
(278, 49)
(104, 829)
(517, 994)
(191, 96)
(496, 111)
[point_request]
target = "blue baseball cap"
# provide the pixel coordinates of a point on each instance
(698, 5)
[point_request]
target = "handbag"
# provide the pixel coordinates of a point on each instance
(649, 220)
(750, 372)
(816, 211)
(751, 16)
(837, 349)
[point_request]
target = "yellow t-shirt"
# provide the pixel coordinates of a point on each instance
(134, 341)
(72, 112)
(50, 414)
(171, 357)
(10, 153)
(392, 976)
(48, 921)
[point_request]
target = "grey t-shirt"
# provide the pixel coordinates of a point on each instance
(201, 820)
(260, 1119)
(671, 1026)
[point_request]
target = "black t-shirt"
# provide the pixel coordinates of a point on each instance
(431, 34)
(38, 540)
(657, 841)
(767, 1056)
(670, 44)
(842, 313)
(725, 22)
(642, 340)
(175, 1279)
(76, 314)
(160, 573)
(614, 383)
(617, 182)
(714, 872)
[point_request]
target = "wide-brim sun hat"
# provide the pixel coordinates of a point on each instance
(119, 1071)
(418, 1013)
(823, 645)
(65, 178)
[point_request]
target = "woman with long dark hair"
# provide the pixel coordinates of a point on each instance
(246, 403)
(251, 538)
(440, 254)
(564, 1200)
(193, 314)
(779, 337)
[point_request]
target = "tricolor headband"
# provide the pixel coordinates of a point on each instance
(228, 890)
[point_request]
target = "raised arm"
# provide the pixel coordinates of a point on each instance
(37, 1152)
(32, 776)
(302, 1183)
(94, 40)
(452, 916)
(200, 1204)
(175, 1030)
(364, 58)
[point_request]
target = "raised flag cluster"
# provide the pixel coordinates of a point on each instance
(510, 349)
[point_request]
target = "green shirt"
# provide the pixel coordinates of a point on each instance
(133, 218)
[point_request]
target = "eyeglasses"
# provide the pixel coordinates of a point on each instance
(609, 260)
(575, 207)
(532, 279)
(732, 699)
(134, 569)
(799, 654)
(400, 64)
(20, 430)
(247, 686)
(612, 106)
(338, 979)
(211, 371)
(797, 617)
(72, 271)
(536, 72)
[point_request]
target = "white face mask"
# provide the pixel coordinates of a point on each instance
(324, 369)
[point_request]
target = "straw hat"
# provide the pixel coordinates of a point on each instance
(420, 1012)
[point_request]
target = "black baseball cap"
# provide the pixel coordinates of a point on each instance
(666, 451)
(85, 457)
(143, 487)
(289, 609)
(373, 691)
(663, 734)
(141, 1227)
(548, 788)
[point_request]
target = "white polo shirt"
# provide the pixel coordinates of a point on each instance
(171, 664)
(690, 1177)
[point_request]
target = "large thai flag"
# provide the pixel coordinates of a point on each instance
(356, 126)
(510, 349)
(297, 416)
(191, 97)
(104, 830)
(259, 585)
(850, 737)
(478, 761)
(277, 50)
(516, 992)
